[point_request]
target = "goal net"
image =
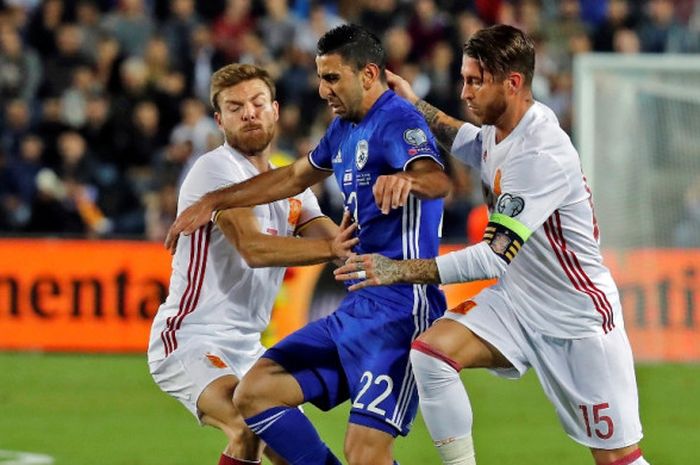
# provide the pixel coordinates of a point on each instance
(637, 128)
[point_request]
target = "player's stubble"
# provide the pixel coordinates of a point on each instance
(250, 139)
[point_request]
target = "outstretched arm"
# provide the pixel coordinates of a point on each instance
(266, 187)
(443, 126)
(326, 242)
(472, 263)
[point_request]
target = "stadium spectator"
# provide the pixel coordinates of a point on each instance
(99, 129)
(49, 128)
(231, 26)
(203, 343)
(60, 66)
(276, 27)
(618, 16)
(74, 99)
(309, 30)
(626, 41)
(87, 19)
(177, 31)
(16, 125)
(26, 167)
(21, 67)
(42, 27)
(130, 25)
(398, 44)
(555, 308)
(427, 26)
(381, 15)
(108, 60)
(387, 165)
(144, 139)
(201, 127)
(661, 32)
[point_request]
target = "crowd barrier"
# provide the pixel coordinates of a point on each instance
(100, 296)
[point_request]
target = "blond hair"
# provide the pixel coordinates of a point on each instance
(235, 73)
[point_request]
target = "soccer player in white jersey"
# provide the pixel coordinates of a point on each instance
(225, 277)
(555, 307)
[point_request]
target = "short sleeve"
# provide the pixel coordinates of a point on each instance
(209, 173)
(532, 187)
(309, 207)
(467, 145)
(407, 139)
(321, 156)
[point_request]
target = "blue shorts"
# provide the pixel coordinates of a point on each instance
(360, 352)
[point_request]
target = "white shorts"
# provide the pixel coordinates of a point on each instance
(187, 371)
(590, 381)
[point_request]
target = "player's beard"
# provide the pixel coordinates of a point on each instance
(250, 142)
(494, 111)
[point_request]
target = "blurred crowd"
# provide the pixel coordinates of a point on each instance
(104, 103)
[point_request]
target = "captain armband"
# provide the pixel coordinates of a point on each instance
(505, 236)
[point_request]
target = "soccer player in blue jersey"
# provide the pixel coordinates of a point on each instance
(387, 165)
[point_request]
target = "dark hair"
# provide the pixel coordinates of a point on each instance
(356, 45)
(501, 49)
(235, 73)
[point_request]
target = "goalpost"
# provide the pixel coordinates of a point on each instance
(637, 129)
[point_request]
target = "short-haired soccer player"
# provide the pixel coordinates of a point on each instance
(226, 275)
(387, 166)
(555, 307)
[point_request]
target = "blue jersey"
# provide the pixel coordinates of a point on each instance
(390, 136)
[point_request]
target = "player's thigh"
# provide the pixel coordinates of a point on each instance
(267, 384)
(374, 341)
(310, 356)
(365, 445)
(592, 384)
(186, 373)
(215, 403)
(481, 332)
(462, 345)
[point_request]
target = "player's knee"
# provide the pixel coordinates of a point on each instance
(428, 359)
(431, 368)
(247, 396)
(257, 391)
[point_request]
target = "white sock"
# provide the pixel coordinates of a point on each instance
(640, 461)
(445, 407)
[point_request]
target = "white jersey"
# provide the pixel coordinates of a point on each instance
(542, 219)
(214, 294)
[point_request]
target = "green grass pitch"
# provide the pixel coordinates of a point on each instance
(105, 410)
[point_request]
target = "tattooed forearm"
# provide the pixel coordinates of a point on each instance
(444, 127)
(422, 271)
(406, 271)
(429, 112)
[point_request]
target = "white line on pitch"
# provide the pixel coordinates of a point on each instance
(11, 457)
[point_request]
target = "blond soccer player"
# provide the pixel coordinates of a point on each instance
(226, 275)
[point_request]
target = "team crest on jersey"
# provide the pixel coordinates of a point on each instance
(361, 154)
(215, 361)
(509, 205)
(415, 137)
(294, 211)
(463, 307)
